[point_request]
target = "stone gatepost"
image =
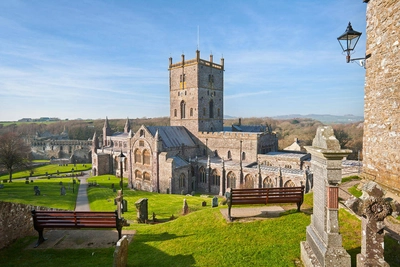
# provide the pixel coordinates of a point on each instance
(323, 245)
(374, 209)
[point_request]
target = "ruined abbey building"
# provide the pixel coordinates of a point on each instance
(196, 152)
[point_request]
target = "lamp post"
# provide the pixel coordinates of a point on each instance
(348, 41)
(121, 160)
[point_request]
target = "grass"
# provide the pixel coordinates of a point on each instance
(50, 169)
(350, 178)
(201, 238)
(19, 192)
(354, 191)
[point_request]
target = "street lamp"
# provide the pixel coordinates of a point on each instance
(121, 160)
(348, 41)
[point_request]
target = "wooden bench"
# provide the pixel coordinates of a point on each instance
(75, 219)
(265, 196)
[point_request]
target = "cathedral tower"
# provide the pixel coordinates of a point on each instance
(196, 89)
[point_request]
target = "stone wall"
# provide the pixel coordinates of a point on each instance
(16, 221)
(381, 157)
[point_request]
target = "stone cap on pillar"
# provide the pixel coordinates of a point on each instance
(326, 145)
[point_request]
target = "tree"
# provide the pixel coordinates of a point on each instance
(14, 153)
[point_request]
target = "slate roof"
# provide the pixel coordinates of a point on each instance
(172, 136)
(179, 162)
(248, 128)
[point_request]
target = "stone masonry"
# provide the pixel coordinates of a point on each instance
(323, 246)
(381, 157)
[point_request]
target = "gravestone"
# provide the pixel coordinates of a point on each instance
(203, 204)
(119, 201)
(185, 209)
(323, 245)
(373, 209)
(37, 190)
(63, 191)
(214, 202)
(142, 210)
(121, 252)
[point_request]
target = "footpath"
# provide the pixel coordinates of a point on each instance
(82, 200)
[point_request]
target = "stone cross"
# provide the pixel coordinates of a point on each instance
(119, 200)
(373, 209)
(323, 245)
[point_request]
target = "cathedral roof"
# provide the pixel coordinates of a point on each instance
(172, 136)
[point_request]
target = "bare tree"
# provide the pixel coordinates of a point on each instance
(14, 153)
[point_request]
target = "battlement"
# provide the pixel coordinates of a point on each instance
(242, 135)
(197, 60)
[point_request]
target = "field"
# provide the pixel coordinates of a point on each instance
(201, 238)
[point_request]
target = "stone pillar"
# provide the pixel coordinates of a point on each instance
(323, 245)
(374, 209)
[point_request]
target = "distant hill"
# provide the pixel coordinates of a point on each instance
(324, 118)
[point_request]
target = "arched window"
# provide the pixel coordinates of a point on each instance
(175, 113)
(267, 183)
(202, 173)
(191, 112)
(146, 157)
(231, 182)
(229, 154)
(138, 156)
(215, 177)
(141, 133)
(138, 174)
(182, 179)
(183, 107)
(243, 156)
(289, 183)
(211, 108)
(146, 176)
(248, 181)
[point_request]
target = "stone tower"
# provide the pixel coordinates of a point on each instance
(196, 89)
(381, 143)
(106, 132)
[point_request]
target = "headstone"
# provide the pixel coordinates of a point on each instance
(63, 191)
(203, 203)
(121, 252)
(185, 209)
(37, 190)
(373, 209)
(323, 245)
(214, 202)
(119, 202)
(142, 210)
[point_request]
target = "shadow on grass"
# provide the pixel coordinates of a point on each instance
(152, 256)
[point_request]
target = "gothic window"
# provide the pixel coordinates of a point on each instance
(231, 181)
(138, 156)
(146, 176)
(182, 180)
(248, 181)
(289, 183)
(146, 157)
(175, 113)
(202, 173)
(267, 183)
(191, 112)
(229, 154)
(138, 174)
(215, 178)
(243, 156)
(211, 108)
(183, 107)
(141, 133)
(141, 143)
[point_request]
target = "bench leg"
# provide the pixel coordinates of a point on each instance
(298, 206)
(41, 238)
(229, 213)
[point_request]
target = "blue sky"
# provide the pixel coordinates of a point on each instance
(92, 59)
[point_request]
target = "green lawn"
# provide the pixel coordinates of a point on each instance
(201, 238)
(50, 169)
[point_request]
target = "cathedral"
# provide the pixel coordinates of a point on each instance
(196, 153)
